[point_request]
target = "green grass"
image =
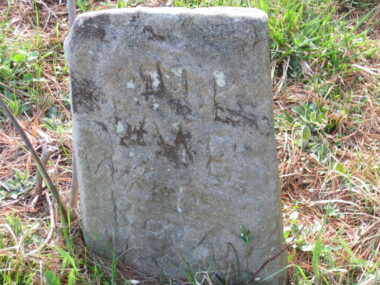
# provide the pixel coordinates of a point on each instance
(325, 65)
(305, 32)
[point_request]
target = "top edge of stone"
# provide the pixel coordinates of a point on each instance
(210, 13)
(234, 12)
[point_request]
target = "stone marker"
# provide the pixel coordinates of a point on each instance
(173, 134)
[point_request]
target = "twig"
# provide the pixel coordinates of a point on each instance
(46, 153)
(7, 249)
(71, 11)
(18, 243)
(52, 226)
(254, 275)
(50, 11)
(40, 166)
(282, 81)
(267, 261)
(8, 204)
(13, 235)
(74, 185)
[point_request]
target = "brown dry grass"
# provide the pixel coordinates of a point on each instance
(306, 183)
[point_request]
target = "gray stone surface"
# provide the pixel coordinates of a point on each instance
(173, 133)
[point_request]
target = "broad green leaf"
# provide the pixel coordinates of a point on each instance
(18, 57)
(306, 134)
(28, 77)
(340, 168)
(51, 278)
(313, 116)
(298, 110)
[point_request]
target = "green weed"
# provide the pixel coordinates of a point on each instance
(82, 4)
(20, 184)
(320, 47)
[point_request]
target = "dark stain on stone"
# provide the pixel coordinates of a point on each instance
(147, 79)
(102, 126)
(160, 92)
(152, 93)
(183, 138)
(149, 89)
(125, 170)
(161, 86)
(172, 152)
(92, 27)
(169, 151)
(180, 109)
(267, 121)
(152, 35)
(215, 105)
(233, 117)
(185, 82)
(163, 192)
(134, 135)
(135, 18)
(247, 147)
(85, 95)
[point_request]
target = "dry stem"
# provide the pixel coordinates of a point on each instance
(39, 163)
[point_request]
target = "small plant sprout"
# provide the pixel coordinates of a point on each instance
(247, 238)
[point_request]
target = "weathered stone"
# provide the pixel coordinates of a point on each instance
(173, 133)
